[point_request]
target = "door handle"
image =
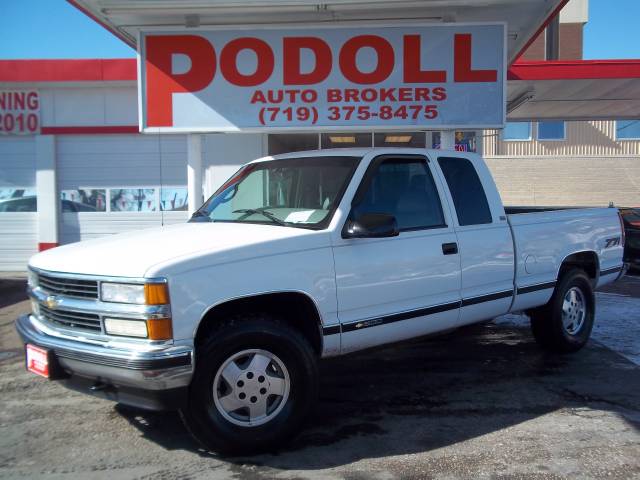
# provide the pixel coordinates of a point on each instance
(450, 248)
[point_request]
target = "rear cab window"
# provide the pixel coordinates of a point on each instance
(467, 192)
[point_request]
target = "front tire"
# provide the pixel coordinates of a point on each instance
(255, 382)
(564, 324)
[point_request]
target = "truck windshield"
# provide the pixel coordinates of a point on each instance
(295, 192)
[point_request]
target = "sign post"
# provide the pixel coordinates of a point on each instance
(441, 76)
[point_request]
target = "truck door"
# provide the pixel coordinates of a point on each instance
(484, 238)
(398, 287)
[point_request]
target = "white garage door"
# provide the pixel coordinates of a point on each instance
(18, 217)
(116, 183)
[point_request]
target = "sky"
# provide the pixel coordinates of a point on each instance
(55, 29)
(612, 32)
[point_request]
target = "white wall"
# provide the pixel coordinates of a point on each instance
(576, 11)
(89, 106)
(567, 181)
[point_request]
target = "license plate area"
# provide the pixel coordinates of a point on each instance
(38, 360)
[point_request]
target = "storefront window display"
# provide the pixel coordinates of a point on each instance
(133, 200)
(18, 199)
(84, 200)
(173, 199)
(465, 141)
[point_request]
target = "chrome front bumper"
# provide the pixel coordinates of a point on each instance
(105, 368)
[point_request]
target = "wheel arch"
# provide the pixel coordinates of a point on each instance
(586, 260)
(297, 308)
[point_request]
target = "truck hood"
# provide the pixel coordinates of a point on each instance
(135, 254)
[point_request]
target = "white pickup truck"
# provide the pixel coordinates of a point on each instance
(299, 257)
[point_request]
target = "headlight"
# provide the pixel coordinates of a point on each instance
(32, 279)
(149, 293)
(122, 293)
(126, 328)
(153, 329)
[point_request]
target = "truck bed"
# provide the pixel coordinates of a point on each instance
(545, 236)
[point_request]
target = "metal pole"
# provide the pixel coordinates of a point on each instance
(552, 37)
(194, 171)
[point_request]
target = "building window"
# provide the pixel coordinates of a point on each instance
(465, 141)
(84, 200)
(346, 140)
(173, 199)
(18, 199)
(400, 139)
(133, 200)
(551, 131)
(292, 142)
(628, 129)
(517, 131)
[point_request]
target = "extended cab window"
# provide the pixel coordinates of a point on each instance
(404, 188)
(296, 192)
(466, 189)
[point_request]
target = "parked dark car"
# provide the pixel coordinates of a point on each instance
(631, 218)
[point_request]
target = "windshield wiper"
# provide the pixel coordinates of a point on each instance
(264, 213)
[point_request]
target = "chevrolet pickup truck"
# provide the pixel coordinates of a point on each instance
(299, 257)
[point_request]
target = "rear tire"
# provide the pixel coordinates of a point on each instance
(254, 384)
(564, 324)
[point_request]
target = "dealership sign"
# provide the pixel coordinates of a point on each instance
(19, 112)
(347, 77)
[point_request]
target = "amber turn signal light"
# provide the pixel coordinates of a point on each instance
(159, 329)
(156, 294)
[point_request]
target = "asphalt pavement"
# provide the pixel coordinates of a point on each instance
(480, 402)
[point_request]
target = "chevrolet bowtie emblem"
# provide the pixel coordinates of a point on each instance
(51, 302)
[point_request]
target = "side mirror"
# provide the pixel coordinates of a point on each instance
(371, 225)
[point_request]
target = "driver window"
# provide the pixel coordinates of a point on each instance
(404, 188)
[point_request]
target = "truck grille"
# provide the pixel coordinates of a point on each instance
(73, 320)
(69, 287)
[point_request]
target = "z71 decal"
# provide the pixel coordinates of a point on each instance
(611, 242)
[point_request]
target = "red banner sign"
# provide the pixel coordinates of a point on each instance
(19, 112)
